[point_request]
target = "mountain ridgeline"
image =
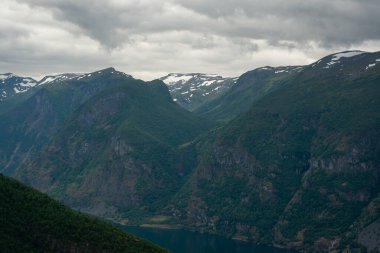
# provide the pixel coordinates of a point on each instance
(32, 222)
(194, 89)
(288, 156)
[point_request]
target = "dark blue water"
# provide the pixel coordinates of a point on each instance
(181, 241)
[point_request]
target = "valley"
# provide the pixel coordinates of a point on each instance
(282, 156)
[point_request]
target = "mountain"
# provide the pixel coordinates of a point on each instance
(51, 79)
(32, 120)
(192, 90)
(117, 155)
(14, 89)
(254, 84)
(293, 160)
(300, 167)
(32, 222)
(248, 88)
(11, 84)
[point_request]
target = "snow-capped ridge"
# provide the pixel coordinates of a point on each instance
(188, 87)
(346, 54)
(338, 57)
(11, 84)
(50, 79)
(281, 69)
(57, 78)
(175, 78)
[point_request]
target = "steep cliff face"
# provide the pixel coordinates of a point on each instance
(26, 128)
(333, 193)
(115, 156)
(32, 121)
(298, 168)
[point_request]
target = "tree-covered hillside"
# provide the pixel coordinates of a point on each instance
(300, 167)
(32, 222)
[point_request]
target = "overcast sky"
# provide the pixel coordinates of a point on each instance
(150, 38)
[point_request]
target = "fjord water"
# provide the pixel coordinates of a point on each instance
(181, 241)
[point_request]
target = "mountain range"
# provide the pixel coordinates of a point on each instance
(287, 156)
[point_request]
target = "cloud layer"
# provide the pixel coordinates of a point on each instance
(148, 38)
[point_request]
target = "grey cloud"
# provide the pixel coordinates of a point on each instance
(104, 21)
(148, 38)
(329, 22)
(10, 34)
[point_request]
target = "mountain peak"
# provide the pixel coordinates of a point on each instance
(6, 75)
(192, 89)
(11, 84)
(78, 76)
(337, 59)
(57, 78)
(109, 69)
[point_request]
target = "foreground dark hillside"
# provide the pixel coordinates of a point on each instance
(32, 222)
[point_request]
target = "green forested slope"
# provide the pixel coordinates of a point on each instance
(118, 155)
(299, 167)
(32, 222)
(250, 87)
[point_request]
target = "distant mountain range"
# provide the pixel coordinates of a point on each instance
(287, 156)
(194, 89)
(11, 84)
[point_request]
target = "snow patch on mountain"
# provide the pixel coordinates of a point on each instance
(18, 90)
(57, 78)
(208, 83)
(187, 89)
(335, 58)
(371, 65)
(51, 79)
(281, 69)
(173, 79)
(5, 76)
(11, 84)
